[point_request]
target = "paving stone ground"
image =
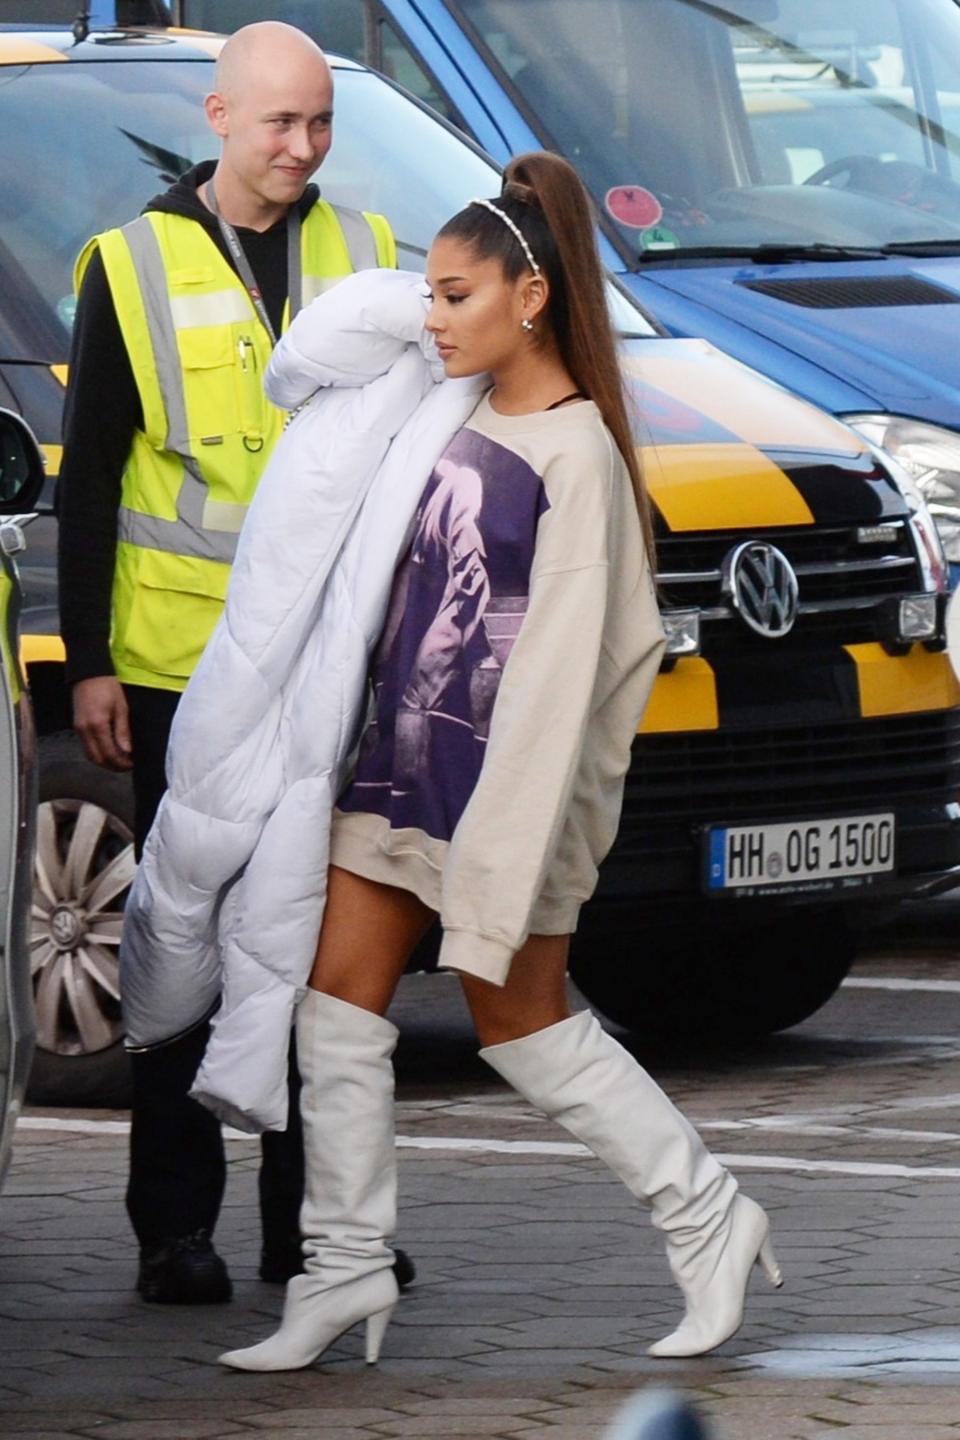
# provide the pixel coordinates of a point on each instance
(540, 1282)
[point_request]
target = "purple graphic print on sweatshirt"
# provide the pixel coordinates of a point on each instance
(458, 599)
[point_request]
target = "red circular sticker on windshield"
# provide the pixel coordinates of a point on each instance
(634, 206)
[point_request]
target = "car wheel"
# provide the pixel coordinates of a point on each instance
(709, 986)
(84, 869)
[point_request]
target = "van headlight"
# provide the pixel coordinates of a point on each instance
(930, 456)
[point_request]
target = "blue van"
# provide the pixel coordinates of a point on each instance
(779, 176)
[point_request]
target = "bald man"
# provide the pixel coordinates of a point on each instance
(166, 434)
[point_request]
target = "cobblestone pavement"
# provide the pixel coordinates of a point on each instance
(540, 1284)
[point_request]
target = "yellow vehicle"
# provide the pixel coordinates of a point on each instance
(797, 772)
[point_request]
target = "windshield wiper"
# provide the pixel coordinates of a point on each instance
(924, 247)
(766, 253)
(818, 251)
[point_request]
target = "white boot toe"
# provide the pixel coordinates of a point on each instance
(715, 1283)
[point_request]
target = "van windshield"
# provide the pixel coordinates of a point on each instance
(729, 125)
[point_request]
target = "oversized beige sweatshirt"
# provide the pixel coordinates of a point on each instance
(522, 641)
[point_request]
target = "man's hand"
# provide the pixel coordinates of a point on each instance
(101, 719)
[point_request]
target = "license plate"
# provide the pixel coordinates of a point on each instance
(808, 854)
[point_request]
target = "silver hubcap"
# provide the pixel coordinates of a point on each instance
(85, 866)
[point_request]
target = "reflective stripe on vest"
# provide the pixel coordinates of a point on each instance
(361, 246)
(204, 529)
(192, 533)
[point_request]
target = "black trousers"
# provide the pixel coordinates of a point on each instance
(177, 1161)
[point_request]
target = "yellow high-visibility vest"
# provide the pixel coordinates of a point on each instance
(198, 351)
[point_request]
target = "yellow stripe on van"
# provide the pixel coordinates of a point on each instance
(61, 373)
(52, 458)
(721, 487)
(738, 399)
(684, 698)
(36, 648)
(903, 684)
(21, 50)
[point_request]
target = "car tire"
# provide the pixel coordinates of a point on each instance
(84, 868)
(707, 986)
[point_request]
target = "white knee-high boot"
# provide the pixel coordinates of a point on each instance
(590, 1085)
(350, 1197)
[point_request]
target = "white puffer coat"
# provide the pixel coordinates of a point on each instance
(227, 903)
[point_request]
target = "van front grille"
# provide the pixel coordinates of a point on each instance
(676, 781)
(843, 582)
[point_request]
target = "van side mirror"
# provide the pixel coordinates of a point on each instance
(21, 465)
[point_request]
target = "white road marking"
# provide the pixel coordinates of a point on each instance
(840, 1167)
(100, 1127)
(853, 1115)
(558, 1148)
(879, 982)
(860, 1132)
(736, 1162)
(483, 1146)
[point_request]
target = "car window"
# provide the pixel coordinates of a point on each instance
(94, 143)
(97, 141)
(394, 57)
(751, 122)
(338, 25)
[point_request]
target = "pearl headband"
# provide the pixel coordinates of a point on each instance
(511, 225)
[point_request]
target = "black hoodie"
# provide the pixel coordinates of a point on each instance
(102, 412)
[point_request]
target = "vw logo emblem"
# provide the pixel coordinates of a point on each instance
(762, 587)
(65, 928)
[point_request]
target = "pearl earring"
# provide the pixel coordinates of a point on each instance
(526, 324)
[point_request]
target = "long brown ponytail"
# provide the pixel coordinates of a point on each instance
(545, 197)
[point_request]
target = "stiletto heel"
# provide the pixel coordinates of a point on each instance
(376, 1329)
(768, 1260)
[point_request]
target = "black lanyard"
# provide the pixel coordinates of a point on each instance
(294, 275)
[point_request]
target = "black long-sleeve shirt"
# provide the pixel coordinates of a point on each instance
(102, 413)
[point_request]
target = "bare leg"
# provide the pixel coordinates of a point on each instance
(534, 996)
(368, 934)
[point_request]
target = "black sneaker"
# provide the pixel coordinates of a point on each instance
(184, 1271)
(280, 1263)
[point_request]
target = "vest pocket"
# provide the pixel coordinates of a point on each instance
(169, 605)
(211, 360)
